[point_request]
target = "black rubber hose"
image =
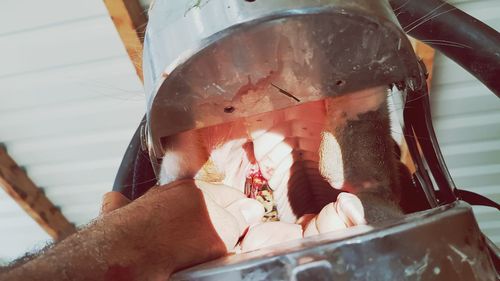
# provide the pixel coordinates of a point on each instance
(135, 175)
(469, 42)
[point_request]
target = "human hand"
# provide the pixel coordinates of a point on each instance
(168, 228)
(347, 211)
(179, 225)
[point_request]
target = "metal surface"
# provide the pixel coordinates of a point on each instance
(243, 56)
(179, 29)
(439, 244)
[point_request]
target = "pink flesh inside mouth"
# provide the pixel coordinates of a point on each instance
(290, 160)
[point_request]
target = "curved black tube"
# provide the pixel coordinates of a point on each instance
(469, 42)
(136, 174)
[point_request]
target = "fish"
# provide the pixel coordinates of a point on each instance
(299, 159)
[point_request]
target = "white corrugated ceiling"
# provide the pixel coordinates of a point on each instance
(70, 101)
(467, 122)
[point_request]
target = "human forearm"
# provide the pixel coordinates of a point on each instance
(96, 253)
(145, 240)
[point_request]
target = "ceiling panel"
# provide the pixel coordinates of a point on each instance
(70, 101)
(466, 117)
(60, 46)
(18, 16)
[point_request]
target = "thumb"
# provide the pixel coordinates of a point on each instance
(247, 212)
(270, 233)
(111, 201)
(350, 209)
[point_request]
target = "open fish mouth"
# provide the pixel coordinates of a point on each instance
(295, 160)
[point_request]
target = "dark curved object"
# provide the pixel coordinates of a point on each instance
(476, 199)
(469, 42)
(135, 175)
(418, 122)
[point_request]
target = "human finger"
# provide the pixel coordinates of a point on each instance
(225, 224)
(310, 228)
(270, 233)
(269, 161)
(221, 194)
(329, 220)
(230, 211)
(347, 211)
(265, 144)
(247, 212)
(111, 201)
(350, 209)
(305, 220)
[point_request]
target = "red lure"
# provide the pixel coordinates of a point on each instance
(257, 187)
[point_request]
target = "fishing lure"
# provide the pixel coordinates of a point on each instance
(257, 187)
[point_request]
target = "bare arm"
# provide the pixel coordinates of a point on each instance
(134, 243)
(171, 228)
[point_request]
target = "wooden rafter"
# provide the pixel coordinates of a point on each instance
(130, 21)
(32, 199)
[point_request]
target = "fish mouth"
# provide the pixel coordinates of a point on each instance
(295, 160)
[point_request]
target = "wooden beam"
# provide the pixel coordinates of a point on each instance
(130, 21)
(427, 54)
(32, 199)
